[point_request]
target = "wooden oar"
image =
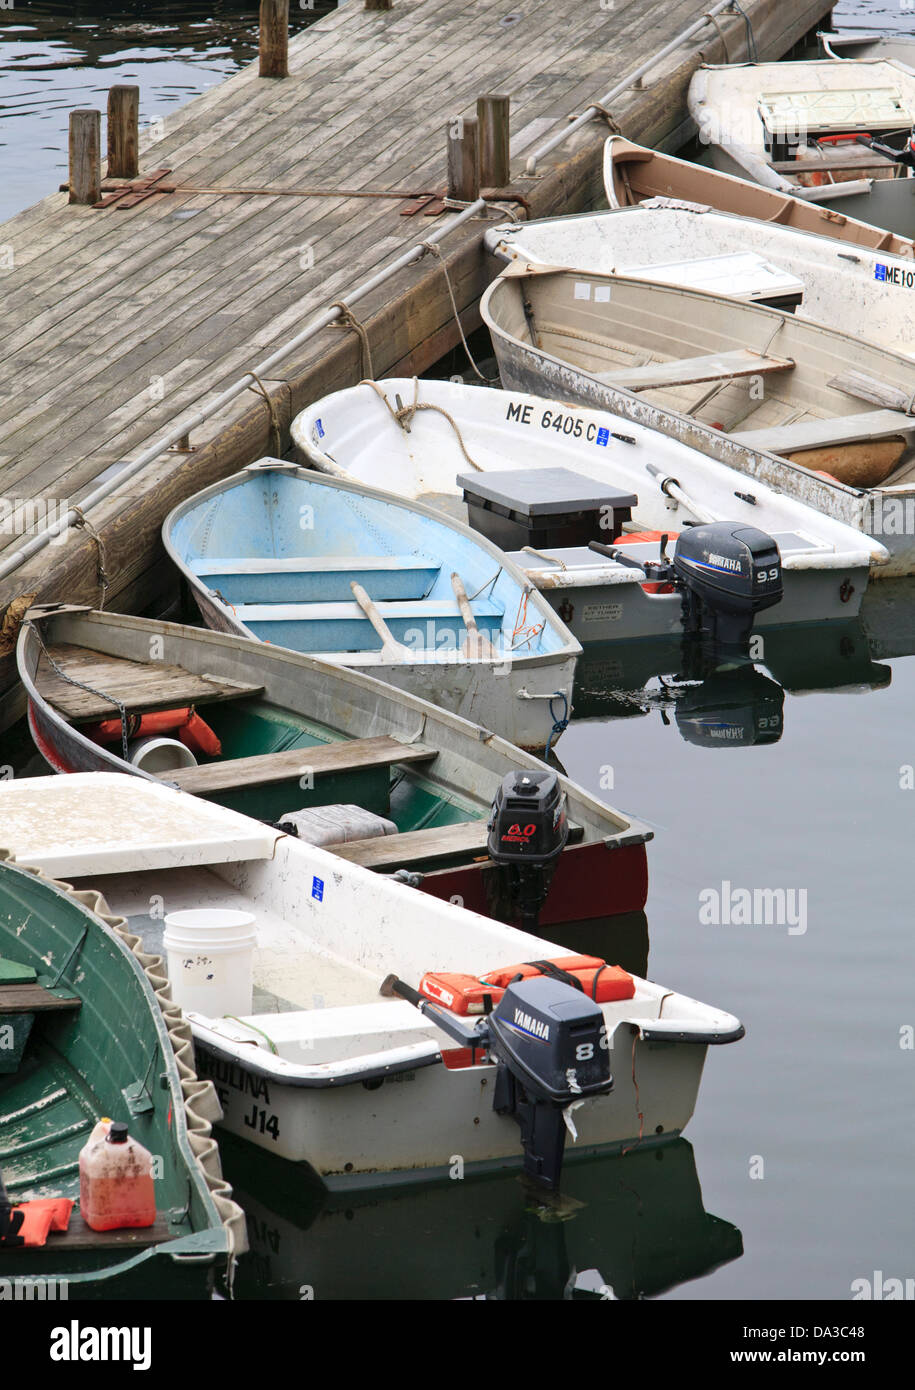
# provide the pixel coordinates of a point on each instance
(476, 644)
(391, 649)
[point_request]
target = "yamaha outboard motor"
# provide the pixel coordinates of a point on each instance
(528, 829)
(728, 573)
(549, 1043)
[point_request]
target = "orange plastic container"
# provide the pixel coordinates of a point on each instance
(115, 1180)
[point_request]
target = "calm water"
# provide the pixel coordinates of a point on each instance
(799, 1173)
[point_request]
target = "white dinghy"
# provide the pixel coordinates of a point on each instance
(859, 43)
(815, 277)
(794, 127)
(447, 430)
(311, 1061)
(807, 409)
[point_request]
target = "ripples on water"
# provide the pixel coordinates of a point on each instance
(54, 58)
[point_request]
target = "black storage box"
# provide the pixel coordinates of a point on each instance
(544, 507)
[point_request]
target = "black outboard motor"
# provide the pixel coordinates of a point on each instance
(549, 1042)
(528, 829)
(727, 573)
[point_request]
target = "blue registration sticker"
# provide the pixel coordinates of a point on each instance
(879, 271)
(603, 437)
(320, 428)
(317, 889)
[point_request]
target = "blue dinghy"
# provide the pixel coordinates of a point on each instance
(366, 580)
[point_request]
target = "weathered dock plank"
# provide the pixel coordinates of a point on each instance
(115, 322)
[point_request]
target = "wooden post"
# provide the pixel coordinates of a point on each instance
(274, 38)
(123, 132)
(463, 159)
(495, 167)
(379, 4)
(85, 157)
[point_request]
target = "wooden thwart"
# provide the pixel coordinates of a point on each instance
(33, 999)
(687, 371)
(139, 685)
(423, 846)
(821, 434)
(349, 755)
(79, 1236)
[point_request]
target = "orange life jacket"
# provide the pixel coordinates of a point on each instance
(464, 994)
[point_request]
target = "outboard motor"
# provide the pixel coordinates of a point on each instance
(528, 829)
(727, 574)
(549, 1043)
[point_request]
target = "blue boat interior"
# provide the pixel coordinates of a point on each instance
(282, 551)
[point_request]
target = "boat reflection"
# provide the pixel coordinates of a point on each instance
(736, 705)
(625, 1228)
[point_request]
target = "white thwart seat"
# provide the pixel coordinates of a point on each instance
(689, 371)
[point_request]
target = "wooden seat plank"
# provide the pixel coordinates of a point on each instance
(819, 434)
(80, 1236)
(33, 999)
(420, 846)
(867, 388)
(348, 755)
(689, 371)
(140, 685)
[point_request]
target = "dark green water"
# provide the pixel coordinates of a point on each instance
(799, 1174)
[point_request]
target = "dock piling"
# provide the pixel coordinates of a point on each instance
(85, 157)
(274, 38)
(123, 132)
(463, 159)
(493, 117)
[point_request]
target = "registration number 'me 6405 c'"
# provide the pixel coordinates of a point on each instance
(570, 425)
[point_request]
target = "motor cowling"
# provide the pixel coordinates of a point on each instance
(528, 822)
(728, 573)
(527, 831)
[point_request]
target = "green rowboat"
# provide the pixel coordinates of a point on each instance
(87, 1029)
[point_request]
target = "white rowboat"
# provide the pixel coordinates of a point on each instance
(323, 1070)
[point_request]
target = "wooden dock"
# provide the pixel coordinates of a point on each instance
(119, 319)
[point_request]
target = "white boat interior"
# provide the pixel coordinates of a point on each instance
(355, 432)
(817, 277)
(327, 933)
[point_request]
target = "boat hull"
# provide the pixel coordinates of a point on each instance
(415, 1125)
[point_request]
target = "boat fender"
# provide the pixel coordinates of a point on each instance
(193, 731)
(197, 735)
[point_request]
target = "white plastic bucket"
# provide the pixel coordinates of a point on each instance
(211, 960)
(161, 755)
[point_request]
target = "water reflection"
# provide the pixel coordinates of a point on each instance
(624, 1228)
(739, 705)
(56, 57)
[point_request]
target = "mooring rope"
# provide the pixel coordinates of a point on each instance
(276, 436)
(83, 523)
(348, 319)
(436, 250)
(404, 416)
(713, 19)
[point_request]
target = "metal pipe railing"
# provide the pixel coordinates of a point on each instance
(561, 136)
